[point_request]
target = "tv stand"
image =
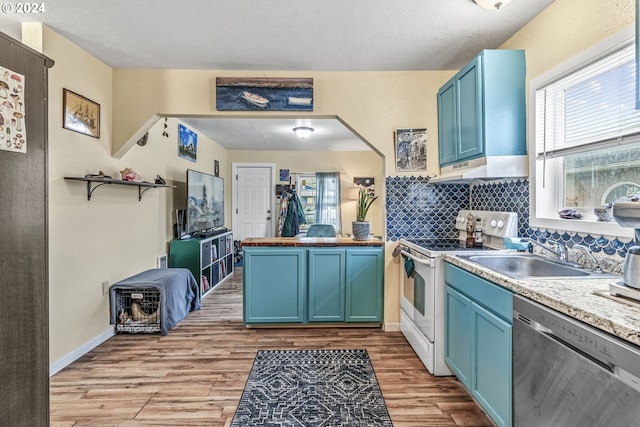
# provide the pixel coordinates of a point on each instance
(209, 258)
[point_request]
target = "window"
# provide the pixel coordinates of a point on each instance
(306, 187)
(586, 135)
(320, 197)
(328, 199)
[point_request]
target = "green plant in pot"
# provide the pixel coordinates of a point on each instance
(361, 227)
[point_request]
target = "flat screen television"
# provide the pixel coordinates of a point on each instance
(205, 201)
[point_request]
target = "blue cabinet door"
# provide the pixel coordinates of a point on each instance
(365, 285)
(478, 340)
(482, 111)
(458, 335)
(326, 294)
(447, 127)
(491, 382)
(275, 283)
(469, 104)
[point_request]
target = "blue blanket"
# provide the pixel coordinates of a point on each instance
(179, 293)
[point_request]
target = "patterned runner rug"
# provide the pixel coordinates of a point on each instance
(314, 388)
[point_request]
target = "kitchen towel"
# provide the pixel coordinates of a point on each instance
(409, 268)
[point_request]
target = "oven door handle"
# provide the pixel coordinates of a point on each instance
(429, 262)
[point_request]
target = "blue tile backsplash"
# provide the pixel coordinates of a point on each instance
(416, 208)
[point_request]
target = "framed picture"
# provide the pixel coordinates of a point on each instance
(187, 143)
(366, 183)
(411, 150)
(264, 94)
(80, 114)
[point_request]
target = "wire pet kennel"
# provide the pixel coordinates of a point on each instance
(138, 310)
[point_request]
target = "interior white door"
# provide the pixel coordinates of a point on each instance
(255, 197)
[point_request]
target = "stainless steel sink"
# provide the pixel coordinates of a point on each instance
(532, 266)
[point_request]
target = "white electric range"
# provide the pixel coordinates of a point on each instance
(422, 291)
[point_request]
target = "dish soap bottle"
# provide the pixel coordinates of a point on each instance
(478, 233)
(470, 231)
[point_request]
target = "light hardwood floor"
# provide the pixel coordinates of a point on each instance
(194, 376)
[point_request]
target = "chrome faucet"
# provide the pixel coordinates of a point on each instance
(559, 251)
(586, 250)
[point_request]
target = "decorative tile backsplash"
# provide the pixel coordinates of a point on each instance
(416, 208)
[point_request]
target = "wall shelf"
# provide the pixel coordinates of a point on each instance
(97, 181)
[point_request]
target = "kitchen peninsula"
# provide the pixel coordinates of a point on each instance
(313, 281)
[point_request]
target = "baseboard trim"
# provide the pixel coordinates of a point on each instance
(391, 327)
(69, 358)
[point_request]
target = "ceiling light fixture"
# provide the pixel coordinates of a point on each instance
(491, 4)
(303, 131)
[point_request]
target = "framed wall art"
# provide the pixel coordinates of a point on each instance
(264, 94)
(411, 150)
(13, 135)
(187, 143)
(80, 114)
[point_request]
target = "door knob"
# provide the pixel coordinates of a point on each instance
(268, 218)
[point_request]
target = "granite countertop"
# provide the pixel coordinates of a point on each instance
(310, 241)
(573, 297)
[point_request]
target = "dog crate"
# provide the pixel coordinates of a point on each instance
(137, 310)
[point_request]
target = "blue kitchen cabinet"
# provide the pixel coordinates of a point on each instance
(478, 344)
(481, 110)
(334, 284)
(327, 277)
(447, 128)
(491, 376)
(365, 284)
(457, 335)
(275, 285)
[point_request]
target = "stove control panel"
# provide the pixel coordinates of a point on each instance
(497, 224)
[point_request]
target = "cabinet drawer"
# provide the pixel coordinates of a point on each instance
(490, 295)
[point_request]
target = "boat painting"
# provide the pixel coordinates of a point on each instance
(264, 94)
(254, 99)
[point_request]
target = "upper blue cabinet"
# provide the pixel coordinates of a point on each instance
(482, 115)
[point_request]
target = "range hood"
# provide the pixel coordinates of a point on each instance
(484, 168)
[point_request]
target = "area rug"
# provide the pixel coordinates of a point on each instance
(314, 388)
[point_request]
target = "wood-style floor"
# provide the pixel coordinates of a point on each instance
(194, 376)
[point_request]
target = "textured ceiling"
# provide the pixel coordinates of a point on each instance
(313, 35)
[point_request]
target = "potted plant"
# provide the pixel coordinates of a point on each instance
(361, 227)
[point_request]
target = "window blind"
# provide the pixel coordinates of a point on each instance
(589, 108)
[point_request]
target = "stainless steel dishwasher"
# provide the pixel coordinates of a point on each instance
(566, 373)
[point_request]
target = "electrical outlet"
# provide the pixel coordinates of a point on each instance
(105, 287)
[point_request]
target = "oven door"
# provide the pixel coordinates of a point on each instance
(418, 293)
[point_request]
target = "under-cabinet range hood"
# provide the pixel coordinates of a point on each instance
(484, 168)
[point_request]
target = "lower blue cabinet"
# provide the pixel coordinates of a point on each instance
(491, 384)
(478, 340)
(313, 285)
(458, 335)
(326, 284)
(365, 285)
(275, 282)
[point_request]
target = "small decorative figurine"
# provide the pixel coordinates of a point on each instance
(129, 174)
(470, 231)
